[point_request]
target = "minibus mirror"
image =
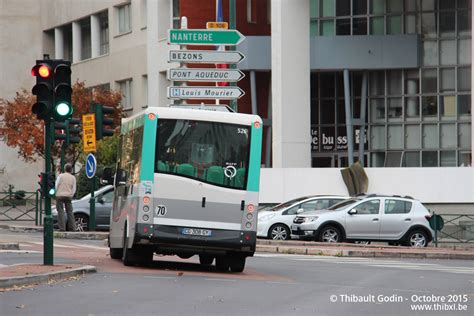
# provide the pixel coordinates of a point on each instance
(121, 177)
(107, 176)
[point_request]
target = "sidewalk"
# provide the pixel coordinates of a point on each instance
(29, 273)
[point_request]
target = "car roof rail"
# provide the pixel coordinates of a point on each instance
(371, 195)
(396, 195)
(408, 197)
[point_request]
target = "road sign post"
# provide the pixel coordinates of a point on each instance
(204, 74)
(88, 132)
(91, 167)
(205, 56)
(204, 37)
(193, 92)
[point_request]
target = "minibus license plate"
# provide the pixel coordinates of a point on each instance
(196, 232)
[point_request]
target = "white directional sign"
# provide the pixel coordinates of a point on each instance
(191, 92)
(205, 56)
(205, 74)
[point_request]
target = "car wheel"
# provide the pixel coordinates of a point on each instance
(330, 234)
(417, 239)
(82, 222)
(279, 232)
(222, 263)
(237, 264)
(206, 259)
(128, 254)
(115, 253)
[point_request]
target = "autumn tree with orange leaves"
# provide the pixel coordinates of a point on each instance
(23, 131)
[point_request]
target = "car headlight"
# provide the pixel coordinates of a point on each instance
(266, 217)
(309, 219)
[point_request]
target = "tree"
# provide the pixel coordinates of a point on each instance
(20, 127)
(23, 131)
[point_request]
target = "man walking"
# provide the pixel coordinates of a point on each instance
(65, 189)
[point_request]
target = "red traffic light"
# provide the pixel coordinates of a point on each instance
(41, 70)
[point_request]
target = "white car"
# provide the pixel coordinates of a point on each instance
(275, 222)
(395, 219)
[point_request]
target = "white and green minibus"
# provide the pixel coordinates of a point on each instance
(187, 183)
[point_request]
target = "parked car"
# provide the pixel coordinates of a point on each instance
(81, 209)
(275, 222)
(395, 219)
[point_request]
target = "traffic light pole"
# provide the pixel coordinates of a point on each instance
(63, 154)
(92, 206)
(48, 219)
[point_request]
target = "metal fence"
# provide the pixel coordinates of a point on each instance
(458, 228)
(20, 206)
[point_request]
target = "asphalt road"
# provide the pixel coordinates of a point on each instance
(271, 285)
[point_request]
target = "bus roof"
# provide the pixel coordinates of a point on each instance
(196, 114)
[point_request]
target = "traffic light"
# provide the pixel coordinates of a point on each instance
(41, 182)
(53, 90)
(74, 131)
(68, 131)
(50, 184)
(43, 71)
(60, 131)
(62, 91)
(103, 124)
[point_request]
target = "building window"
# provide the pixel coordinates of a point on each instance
(86, 49)
(104, 32)
(143, 14)
(269, 11)
(124, 19)
(176, 15)
(251, 11)
(125, 87)
(67, 36)
(101, 87)
(418, 117)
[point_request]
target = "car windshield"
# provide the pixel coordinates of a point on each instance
(343, 204)
(288, 203)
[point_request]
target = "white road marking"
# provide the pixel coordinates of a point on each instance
(159, 277)
(373, 262)
(19, 251)
(223, 280)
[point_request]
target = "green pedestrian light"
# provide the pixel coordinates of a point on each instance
(63, 109)
(52, 192)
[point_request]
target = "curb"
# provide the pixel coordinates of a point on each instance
(365, 253)
(58, 234)
(9, 282)
(9, 246)
(81, 235)
(23, 228)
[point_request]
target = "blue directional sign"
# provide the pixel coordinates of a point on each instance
(91, 166)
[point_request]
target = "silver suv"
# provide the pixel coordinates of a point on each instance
(398, 220)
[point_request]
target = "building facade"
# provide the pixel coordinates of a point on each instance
(388, 81)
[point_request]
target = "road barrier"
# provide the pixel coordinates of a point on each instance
(20, 206)
(458, 228)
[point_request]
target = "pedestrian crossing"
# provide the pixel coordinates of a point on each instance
(375, 262)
